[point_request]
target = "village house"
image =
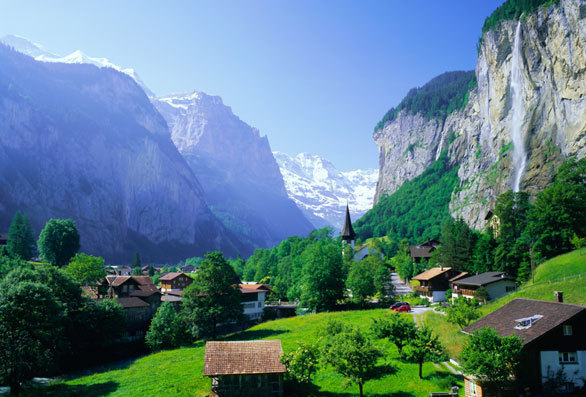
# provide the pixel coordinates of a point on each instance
(245, 368)
(253, 300)
(553, 340)
(493, 222)
(434, 283)
(188, 269)
(496, 284)
(175, 281)
(423, 251)
(139, 297)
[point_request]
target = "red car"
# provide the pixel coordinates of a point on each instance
(403, 308)
(397, 304)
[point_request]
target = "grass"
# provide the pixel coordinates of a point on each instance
(179, 372)
(449, 334)
(561, 266)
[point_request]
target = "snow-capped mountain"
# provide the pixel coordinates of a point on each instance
(38, 52)
(322, 191)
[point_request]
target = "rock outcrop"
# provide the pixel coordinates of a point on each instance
(553, 86)
(241, 179)
(85, 143)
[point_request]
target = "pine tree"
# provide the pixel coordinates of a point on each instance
(21, 242)
(136, 260)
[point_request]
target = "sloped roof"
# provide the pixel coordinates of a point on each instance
(145, 294)
(348, 230)
(170, 276)
(116, 281)
(503, 320)
(418, 251)
(249, 288)
(459, 276)
(431, 273)
(483, 279)
(132, 302)
(143, 280)
(245, 357)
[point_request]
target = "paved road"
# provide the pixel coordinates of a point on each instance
(400, 288)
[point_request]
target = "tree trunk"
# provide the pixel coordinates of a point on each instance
(360, 387)
(421, 370)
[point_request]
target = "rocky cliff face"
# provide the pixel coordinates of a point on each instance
(85, 143)
(236, 167)
(552, 67)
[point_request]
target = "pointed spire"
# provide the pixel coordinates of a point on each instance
(348, 232)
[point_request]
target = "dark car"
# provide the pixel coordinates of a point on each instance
(403, 308)
(397, 304)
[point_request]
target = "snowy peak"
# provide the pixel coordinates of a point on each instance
(195, 99)
(37, 51)
(322, 191)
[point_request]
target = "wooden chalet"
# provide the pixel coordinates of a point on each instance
(553, 335)
(496, 284)
(422, 252)
(175, 281)
(434, 283)
(245, 368)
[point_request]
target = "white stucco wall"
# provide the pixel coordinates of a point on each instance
(575, 373)
(498, 289)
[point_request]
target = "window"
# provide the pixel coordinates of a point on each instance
(568, 358)
(527, 322)
(472, 388)
(568, 330)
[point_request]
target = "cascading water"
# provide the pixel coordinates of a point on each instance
(518, 112)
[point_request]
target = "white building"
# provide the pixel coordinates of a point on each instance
(496, 284)
(253, 300)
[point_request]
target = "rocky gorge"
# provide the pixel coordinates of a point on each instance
(550, 69)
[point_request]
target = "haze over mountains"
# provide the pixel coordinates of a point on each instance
(234, 173)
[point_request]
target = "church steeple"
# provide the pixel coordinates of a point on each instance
(348, 234)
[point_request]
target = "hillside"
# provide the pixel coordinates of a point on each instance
(549, 277)
(527, 88)
(179, 372)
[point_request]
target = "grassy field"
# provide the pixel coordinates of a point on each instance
(562, 266)
(179, 372)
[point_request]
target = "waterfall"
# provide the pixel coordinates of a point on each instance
(518, 111)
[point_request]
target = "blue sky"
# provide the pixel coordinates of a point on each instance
(314, 76)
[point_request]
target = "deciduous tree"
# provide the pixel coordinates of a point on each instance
(213, 297)
(167, 329)
(86, 268)
(423, 347)
(352, 355)
(397, 328)
(58, 241)
(490, 357)
(463, 312)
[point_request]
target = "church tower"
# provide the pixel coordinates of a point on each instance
(348, 234)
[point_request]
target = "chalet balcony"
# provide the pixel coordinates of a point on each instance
(422, 289)
(463, 291)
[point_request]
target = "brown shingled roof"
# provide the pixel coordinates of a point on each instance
(170, 276)
(503, 320)
(459, 276)
(132, 302)
(248, 357)
(431, 273)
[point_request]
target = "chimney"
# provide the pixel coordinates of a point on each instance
(441, 267)
(559, 296)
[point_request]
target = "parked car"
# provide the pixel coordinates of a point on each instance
(403, 308)
(397, 304)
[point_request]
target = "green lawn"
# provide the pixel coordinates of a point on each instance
(561, 266)
(179, 372)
